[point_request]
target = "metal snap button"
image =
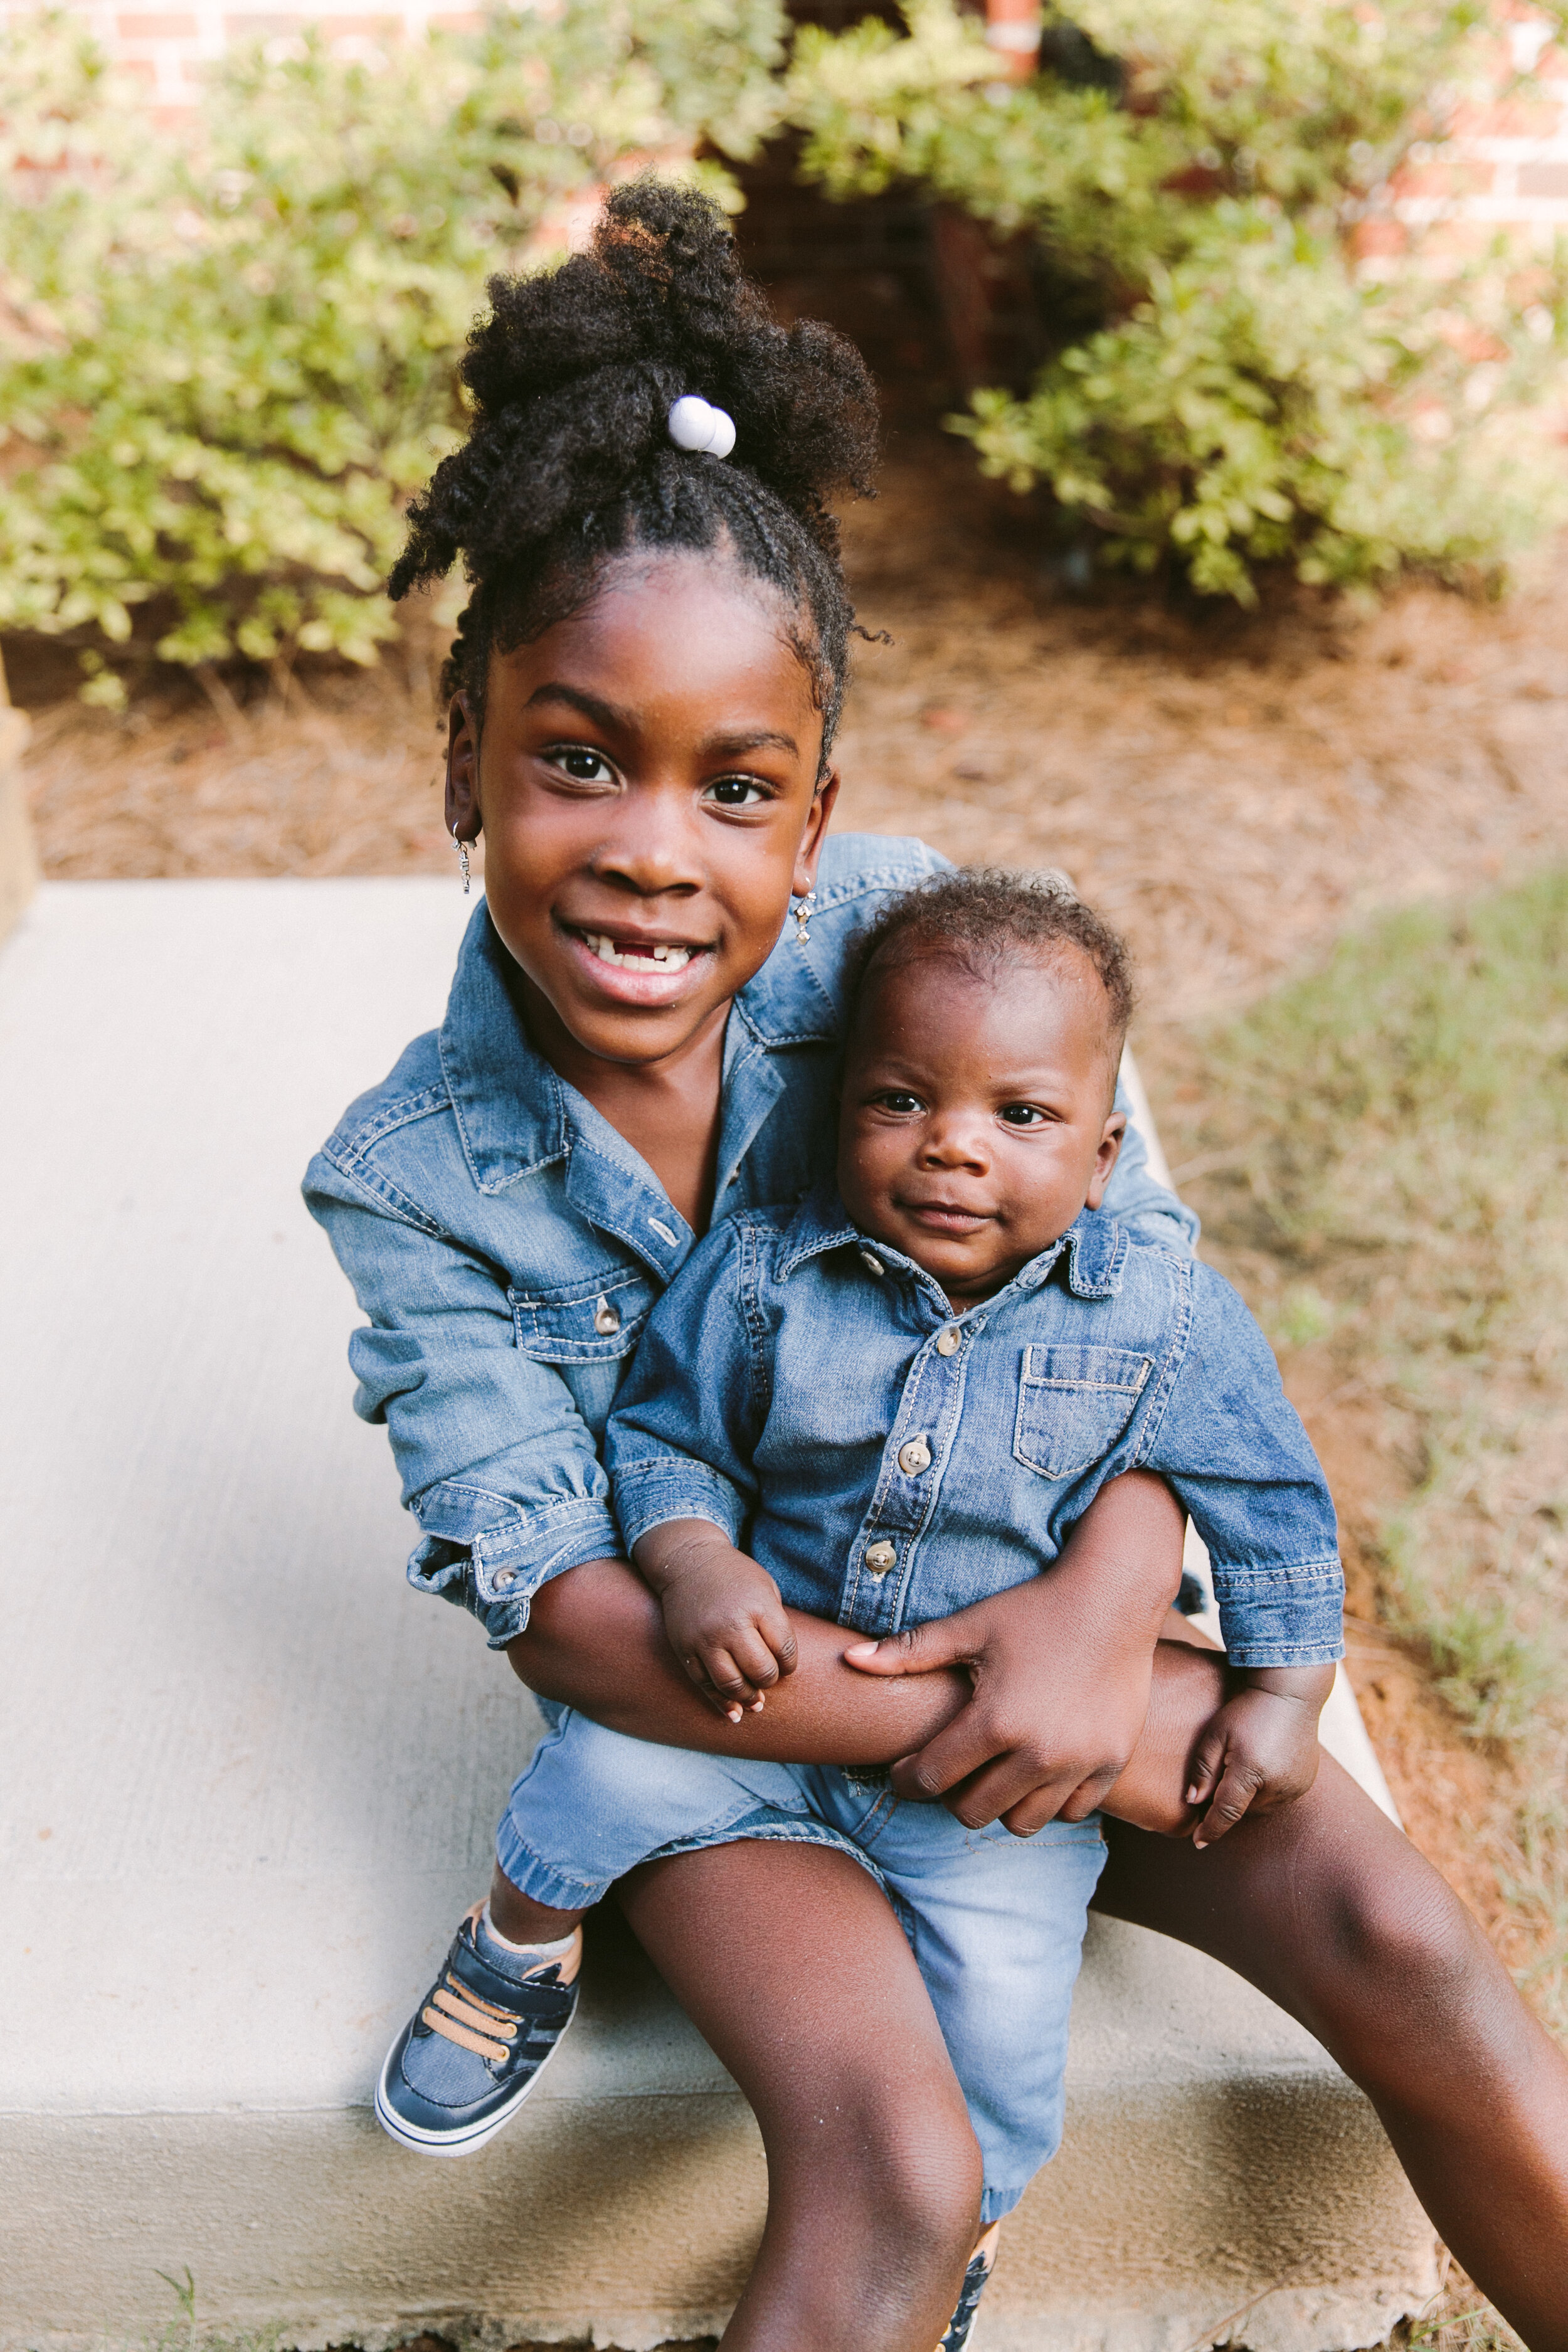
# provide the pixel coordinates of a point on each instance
(873, 1264)
(880, 1558)
(949, 1341)
(914, 1457)
(606, 1318)
(505, 1579)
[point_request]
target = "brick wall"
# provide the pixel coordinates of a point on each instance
(1513, 173)
(169, 48)
(1511, 169)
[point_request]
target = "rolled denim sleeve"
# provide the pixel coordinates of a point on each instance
(679, 1445)
(1231, 1445)
(498, 1466)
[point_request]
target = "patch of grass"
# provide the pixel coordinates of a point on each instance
(1380, 1154)
(1460, 2320)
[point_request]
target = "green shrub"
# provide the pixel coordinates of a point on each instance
(1227, 391)
(225, 361)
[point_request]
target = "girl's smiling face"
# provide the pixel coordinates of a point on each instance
(647, 778)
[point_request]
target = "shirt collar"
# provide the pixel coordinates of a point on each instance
(508, 1102)
(510, 1106)
(786, 1003)
(1096, 1247)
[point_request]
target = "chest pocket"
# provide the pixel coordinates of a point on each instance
(585, 1323)
(1073, 1406)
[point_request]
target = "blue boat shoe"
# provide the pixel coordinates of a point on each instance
(465, 2062)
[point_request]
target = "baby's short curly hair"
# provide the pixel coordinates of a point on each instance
(986, 916)
(569, 462)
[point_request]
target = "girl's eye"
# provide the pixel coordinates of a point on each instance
(736, 792)
(1023, 1115)
(584, 765)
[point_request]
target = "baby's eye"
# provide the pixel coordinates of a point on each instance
(902, 1105)
(736, 792)
(581, 762)
(1023, 1115)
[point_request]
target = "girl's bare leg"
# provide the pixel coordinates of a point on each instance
(790, 1962)
(1330, 1910)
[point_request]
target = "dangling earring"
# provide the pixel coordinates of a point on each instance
(462, 849)
(801, 913)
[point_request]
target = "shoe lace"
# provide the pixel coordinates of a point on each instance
(466, 2018)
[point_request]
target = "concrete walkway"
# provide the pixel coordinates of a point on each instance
(247, 1780)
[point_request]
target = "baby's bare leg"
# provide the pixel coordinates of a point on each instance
(520, 1919)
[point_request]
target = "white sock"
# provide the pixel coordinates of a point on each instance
(556, 1951)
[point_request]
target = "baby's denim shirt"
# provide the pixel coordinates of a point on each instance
(507, 1244)
(888, 1461)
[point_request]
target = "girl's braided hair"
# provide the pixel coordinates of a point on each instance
(569, 462)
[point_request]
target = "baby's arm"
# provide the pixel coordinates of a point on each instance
(1233, 1450)
(1260, 1749)
(722, 1614)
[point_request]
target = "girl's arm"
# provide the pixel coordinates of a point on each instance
(1038, 1693)
(595, 1641)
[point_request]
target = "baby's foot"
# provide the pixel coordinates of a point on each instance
(465, 2062)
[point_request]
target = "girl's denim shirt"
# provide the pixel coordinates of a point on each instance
(812, 1392)
(507, 1245)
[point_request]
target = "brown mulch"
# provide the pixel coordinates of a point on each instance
(1231, 790)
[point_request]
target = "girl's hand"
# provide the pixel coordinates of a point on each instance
(722, 1614)
(1053, 1721)
(1060, 1669)
(1260, 1751)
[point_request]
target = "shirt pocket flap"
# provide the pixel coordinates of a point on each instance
(585, 1323)
(1073, 1406)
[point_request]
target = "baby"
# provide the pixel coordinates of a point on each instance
(890, 1401)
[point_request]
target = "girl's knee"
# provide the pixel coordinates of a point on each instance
(1412, 1974)
(911, 2167)
(1410, 1933)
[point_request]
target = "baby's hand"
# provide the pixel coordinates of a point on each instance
(1261, 1749)
(722, 1614)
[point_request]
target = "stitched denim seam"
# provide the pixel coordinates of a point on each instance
(423, 1103)
(387, 1195)
(1161, 1388)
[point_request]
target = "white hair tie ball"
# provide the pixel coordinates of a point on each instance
(694, 424)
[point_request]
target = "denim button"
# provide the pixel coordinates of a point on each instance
(948, 1341)
(505, 1580)
(606, 1318)
(914, 1457)
(873, 1263)
(880, 1558)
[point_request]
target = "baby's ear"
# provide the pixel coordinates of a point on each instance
(1105, 1158)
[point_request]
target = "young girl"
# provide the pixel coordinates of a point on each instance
(644, 694)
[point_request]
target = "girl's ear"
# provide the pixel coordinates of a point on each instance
(810, 850)
(464, 819)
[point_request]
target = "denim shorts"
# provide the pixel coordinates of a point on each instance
(996, 1922)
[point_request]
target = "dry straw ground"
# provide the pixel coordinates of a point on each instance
(1231, 791)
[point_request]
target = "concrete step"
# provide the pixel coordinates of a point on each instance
(248, 1781)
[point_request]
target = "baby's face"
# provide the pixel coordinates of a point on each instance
(976, 1119)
